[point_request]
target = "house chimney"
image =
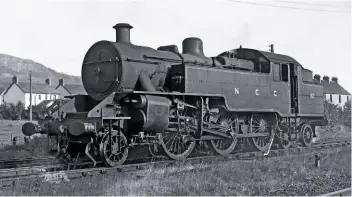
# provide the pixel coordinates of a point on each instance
(193, 46)
(48, 81)
(326, 78)
(317, 77)
(334, 79)
(15, 79)
(272, 48)
(61, 82)
(123, 32)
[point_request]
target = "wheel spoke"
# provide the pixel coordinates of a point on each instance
(173, 144)
(112, 157)
(225, 146)
(260, 124)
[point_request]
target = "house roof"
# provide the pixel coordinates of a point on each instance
(2, 90)
(37, 88)
(74, 89)
(333, 88)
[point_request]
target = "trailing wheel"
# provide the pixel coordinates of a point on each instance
(261, 124)
(307, 135)
(115, 151)
(225, 146)
(283, 139)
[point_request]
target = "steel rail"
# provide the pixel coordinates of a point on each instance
(23, 162)
(343, 192)
(44, 172)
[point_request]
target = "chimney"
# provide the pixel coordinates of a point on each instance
(48, 81)
(272, 48)
(334, 79)
(193, 46)
(123, 32)
(15, 79)
(317, 77)
(61, 82)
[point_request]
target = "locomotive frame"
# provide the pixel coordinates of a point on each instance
(170, 101)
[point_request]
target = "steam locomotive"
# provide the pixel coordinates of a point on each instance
(169, 101)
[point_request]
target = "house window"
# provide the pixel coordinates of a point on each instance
(330, 97)
(46, 97)
(39, 97)
(339, 98)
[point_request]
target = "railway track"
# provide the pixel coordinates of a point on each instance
(26, 162)
(59, 172)
(343, 192)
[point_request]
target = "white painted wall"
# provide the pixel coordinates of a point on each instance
(14, 94)
(335, 99)
(62, 91)
(37, 98)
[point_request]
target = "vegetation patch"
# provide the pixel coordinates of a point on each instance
(37, 146)
(294, 175)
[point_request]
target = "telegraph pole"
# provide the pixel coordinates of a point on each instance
(30, 95)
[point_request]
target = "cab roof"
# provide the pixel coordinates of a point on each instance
(273, 57)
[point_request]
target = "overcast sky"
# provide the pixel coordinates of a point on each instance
(58, 33)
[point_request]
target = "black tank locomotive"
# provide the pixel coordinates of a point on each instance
(169, 100)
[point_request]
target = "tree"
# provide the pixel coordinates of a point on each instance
(346, 117)
(10, 111)
(332, 114)
(20, 110)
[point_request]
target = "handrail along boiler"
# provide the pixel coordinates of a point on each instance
(169, 100)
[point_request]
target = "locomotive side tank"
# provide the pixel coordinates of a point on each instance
(249, 80)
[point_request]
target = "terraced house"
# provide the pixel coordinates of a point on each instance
(2, 91)
(20, 91)
(333, 91)
(69, 89)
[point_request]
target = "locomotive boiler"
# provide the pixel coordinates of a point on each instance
(170, 100)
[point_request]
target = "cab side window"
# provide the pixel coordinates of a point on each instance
(280, 72)
(264, 65)
(284, 72)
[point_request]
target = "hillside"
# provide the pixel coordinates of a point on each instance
(10, 66)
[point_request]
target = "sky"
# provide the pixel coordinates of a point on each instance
(58, 33)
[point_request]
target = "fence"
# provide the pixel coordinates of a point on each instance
(11, 139)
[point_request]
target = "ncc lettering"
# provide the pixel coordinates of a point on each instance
(257, 93)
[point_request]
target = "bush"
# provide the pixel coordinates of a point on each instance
(346, 117)
(37, 146)
(336, 116)
(10, 111)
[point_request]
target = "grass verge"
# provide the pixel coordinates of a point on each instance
(38, 146)
(293, 175)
